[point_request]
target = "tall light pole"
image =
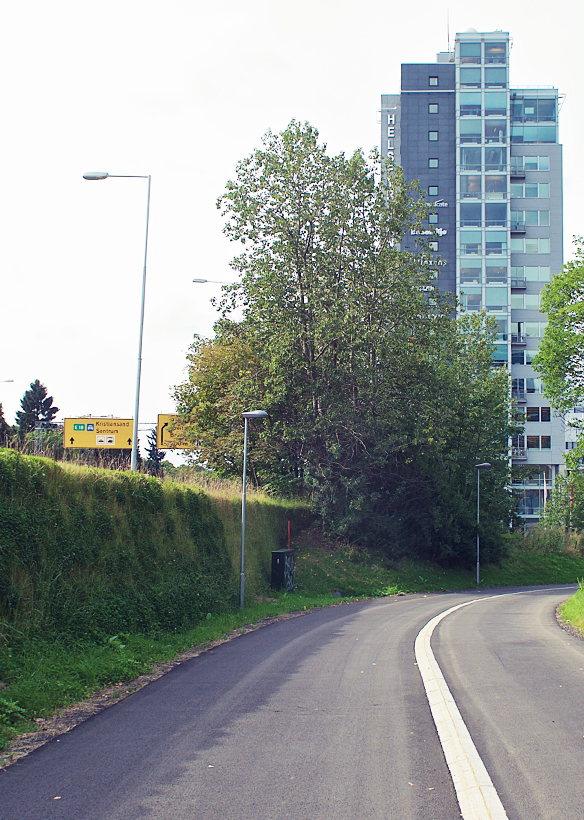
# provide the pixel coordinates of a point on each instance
(250, 414)
(94, 175)
(484, 466)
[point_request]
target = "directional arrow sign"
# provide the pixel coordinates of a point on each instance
(170, 434)
(92, 432)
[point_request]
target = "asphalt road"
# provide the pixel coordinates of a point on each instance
(325, 716)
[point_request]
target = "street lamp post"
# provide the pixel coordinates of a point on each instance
(250, 414)
(94, 175)
(484, 466)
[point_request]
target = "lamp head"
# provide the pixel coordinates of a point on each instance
(484, 466)
(255, 414)
(96, 175)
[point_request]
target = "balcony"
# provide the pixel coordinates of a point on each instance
(517, 169)
(518, 282)
(517, 227)
(518, 395)
(519, 453)
(518, 339)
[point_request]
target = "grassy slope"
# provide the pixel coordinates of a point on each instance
(573, 610)
(44, 675)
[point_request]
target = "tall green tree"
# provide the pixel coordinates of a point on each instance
(4, 429)
(154, 456)
(36, 406)
(560, 358)
(380, 402)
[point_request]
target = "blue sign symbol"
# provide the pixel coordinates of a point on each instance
(91, 426)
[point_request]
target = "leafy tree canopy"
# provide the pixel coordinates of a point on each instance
(380, 402)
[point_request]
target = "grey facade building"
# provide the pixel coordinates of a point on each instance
(489, 162)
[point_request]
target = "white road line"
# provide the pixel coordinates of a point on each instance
(477, 797)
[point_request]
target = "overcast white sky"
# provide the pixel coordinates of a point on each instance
(182, 90)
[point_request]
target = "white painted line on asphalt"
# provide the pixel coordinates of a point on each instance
(477, 797)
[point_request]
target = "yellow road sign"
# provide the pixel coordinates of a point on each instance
(171, 439)
(98, 432)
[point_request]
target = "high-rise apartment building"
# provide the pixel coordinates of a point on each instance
(488, 160)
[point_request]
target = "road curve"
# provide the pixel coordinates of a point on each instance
(321, 716)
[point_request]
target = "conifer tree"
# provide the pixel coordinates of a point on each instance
(36, 406)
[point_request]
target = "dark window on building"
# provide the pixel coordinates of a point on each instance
(517, 357)
(495, 52)
(545, 414)
(532, 414)
(470, 215)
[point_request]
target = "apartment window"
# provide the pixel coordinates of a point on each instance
(495, 187)
(538, 414)
(470, 243)
(530, 356)
(495, 103)
(521, 244)
(471, 299)
(470, 214)
(533, 385)
(495, 159)
(496, 299)
(470, 186)
(523, 134)
(530, 218)
(470, 53)
(530, 190)
(432, 81)
(470, 103)
(495, 77)
(496, 271)
(517, 357)
(495, 53)
(470, 159)
(470, 271)
(433, 136)
(525, 301)
(433, 163)
(496, 243)
(495, 130)
(470, 77)
(537, 163)
(539, 442)
(433, 190)
(470, 132)
(432, 108)
(496, 214)
(532, 329)
(433, 219)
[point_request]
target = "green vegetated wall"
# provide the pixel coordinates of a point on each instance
(91, 552)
